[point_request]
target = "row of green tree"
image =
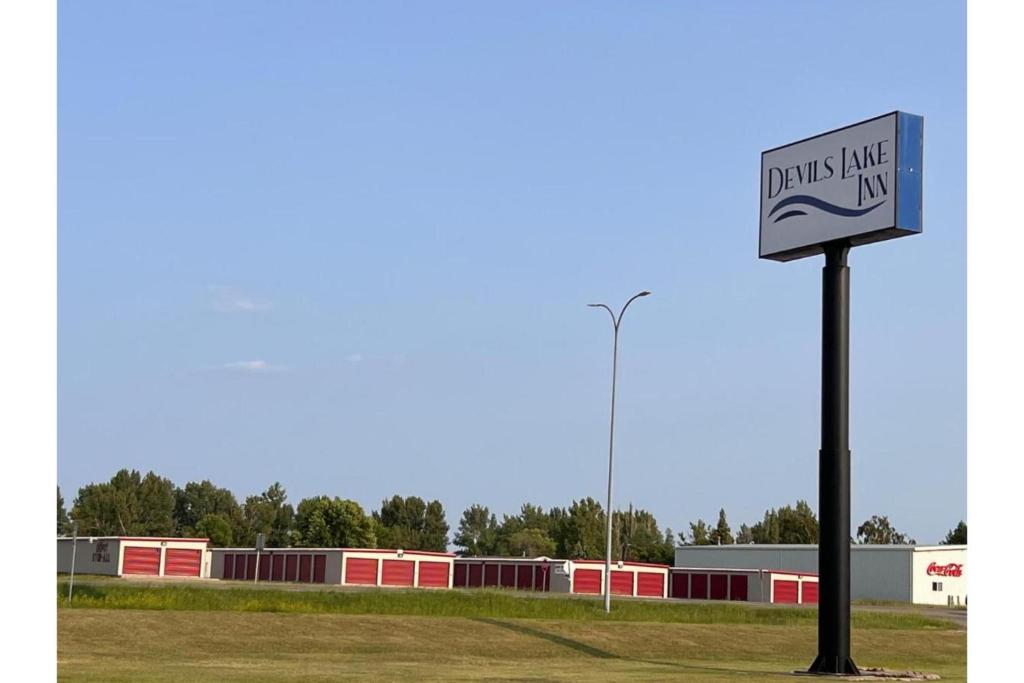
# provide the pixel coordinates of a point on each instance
(579, 531)
(799, 525)
(134, 505)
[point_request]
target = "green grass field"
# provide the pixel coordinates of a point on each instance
(122, 632)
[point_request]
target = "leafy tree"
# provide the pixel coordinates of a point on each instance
(528, 532)
(957, 536)
(268, 514)
(478, 532)
(156, 506)
(530, 542)
(435, 528)
(216, 527)
(721, 534)
(533, 517)
(638, 537)
(700, 533)
(787, 525)
(582, 530)
(333, 523)
(63, 524)
(127, 505)
(399, 523)
(411, 524)
(558, 523)
(879, 531)
(668, 548)
(744, 535)
(197, 501)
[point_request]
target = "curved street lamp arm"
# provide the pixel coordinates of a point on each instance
(615, 323)
(626, 305)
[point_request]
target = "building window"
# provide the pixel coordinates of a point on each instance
(936, 585)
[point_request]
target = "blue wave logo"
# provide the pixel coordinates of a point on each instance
(818, 204)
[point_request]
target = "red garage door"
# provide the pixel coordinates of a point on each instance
(586, 581)
(141, 561)
(508, 576)
(784, 591)
(491, 575)
(699, 586)
(650, 584)
(719, 586)
(397, 573)
(264, 568)
(183, 562)
(738, 587)
(361, 571)
(461, 574)
(291, 567)
(319, 568)
(240, 567)
(277, 567)
(434, 574)
(476, 574)
(622, 582)
(810, 590)
(524, 579)
(229, 566)
(305, 567)
(680, 585)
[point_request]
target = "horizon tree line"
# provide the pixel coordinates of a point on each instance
(130, 504)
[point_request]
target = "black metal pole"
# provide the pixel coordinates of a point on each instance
(834, 469)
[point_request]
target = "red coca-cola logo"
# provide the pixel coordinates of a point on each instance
(951, 569)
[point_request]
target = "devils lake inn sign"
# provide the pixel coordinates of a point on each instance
(860, 184)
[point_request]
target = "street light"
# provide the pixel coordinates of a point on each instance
(616, 321)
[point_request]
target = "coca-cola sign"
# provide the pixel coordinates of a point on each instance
(951, 569)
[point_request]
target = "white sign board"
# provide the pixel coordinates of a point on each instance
(859, 184)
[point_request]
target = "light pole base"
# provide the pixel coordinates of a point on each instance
(832, 666)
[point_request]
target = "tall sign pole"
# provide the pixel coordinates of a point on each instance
(834, 468)
(825, 195)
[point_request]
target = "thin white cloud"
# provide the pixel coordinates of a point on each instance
(228, 299)
(354, 358)
(252, 366)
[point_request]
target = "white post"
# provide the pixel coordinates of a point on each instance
(74, 548)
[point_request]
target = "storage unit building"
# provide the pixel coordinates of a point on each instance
(633, 579)
(541, 574)
(337, 566)
(298, 565)
(397, 568)
(135, 556)
(743, 585)
(927, 575)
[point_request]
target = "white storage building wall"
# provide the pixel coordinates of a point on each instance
(877, 572)
(135, 555)
(939, 577)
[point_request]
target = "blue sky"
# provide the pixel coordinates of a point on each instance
(349, 246)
